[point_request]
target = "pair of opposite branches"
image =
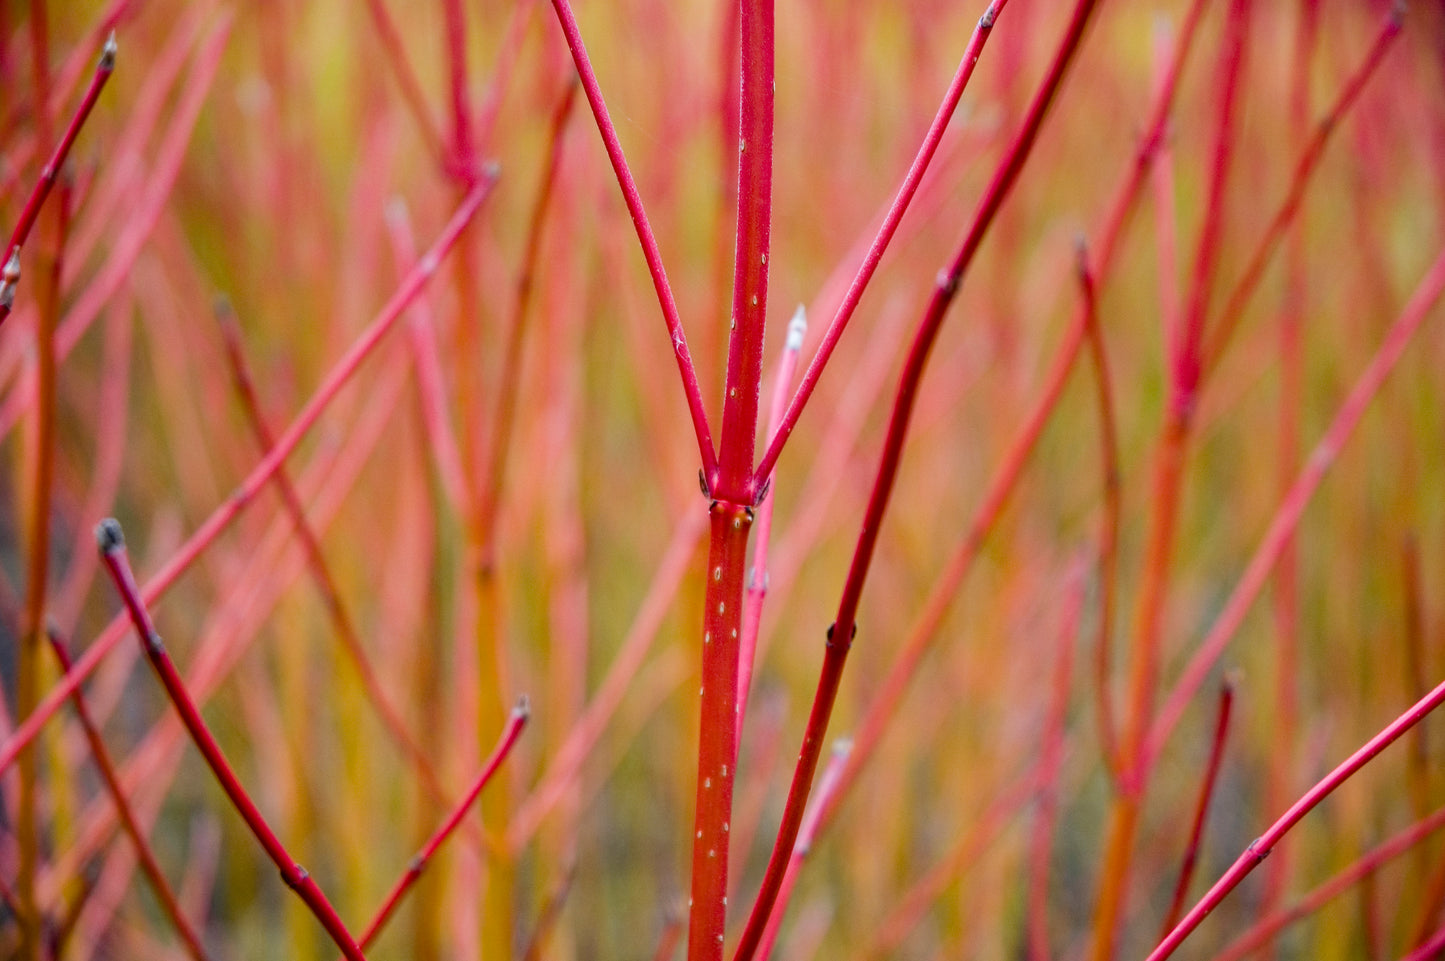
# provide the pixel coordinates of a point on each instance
(722, 480)
(111, 543)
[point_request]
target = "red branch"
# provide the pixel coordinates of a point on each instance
(645, 237)
(113, 554)
(11, 276)
(840, 634)
(1260, 847)
(904, 197)
(414, 282)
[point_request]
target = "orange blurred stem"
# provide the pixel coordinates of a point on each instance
(1240, 294)
(827, 783)
(410, 287)
(336, 609)
(1051, 756)
(1109, 533)
(1184, 370)
(1287, 517)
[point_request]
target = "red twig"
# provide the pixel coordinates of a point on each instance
(758, 573)
(140, 220)
(778, 437)
(1201, 808)
(827, 783)
(645, 237)
(1287, 517)
(416, 279)
(1266, 928)
(510, 732)
(113, 555)
(742, 385)
(1259, 849)
(463, 147)
(165, 896)
(840, 634)
(11, 276)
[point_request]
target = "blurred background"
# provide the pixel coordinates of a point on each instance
(505, 498)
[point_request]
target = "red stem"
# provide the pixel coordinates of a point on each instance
(11, 276)
(827, 783)
(1201, 808)
(463, 149)
(150, 867)
(645, 237)
(416, 279)
(779, 437)
(734, 482)
(717, 740)
(1260, 848)
(1267, 928)
(113, 555)
(510, 732)
(758, 573)
(840, 634)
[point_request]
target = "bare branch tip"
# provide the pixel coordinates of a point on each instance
(797, 329)
(396, 211)
(523, 708)
(1397, 14)
(108, 52)
(11, 274)
(109, 537)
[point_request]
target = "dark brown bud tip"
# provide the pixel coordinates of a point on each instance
(108, 52)
(109, 537)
